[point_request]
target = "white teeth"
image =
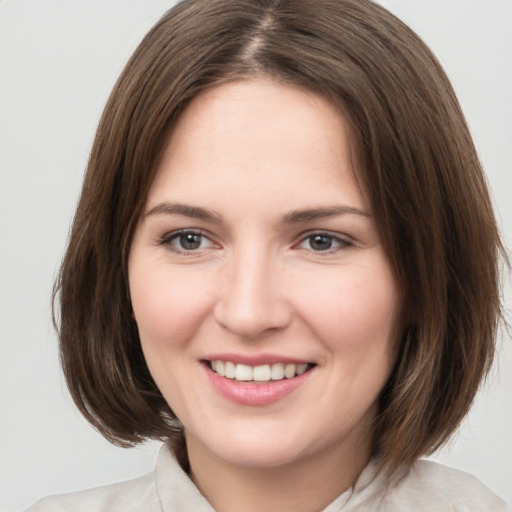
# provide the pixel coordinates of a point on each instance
(243, 372)
(289, 371)
(301, 368)
(262, 373)
(277, 371)
(229, 370)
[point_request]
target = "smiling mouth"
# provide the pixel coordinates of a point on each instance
(261, 373)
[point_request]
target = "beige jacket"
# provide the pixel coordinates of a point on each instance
(428, 487)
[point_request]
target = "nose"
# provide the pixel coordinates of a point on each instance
(252, 300)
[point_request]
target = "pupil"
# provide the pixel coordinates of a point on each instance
(190, 241)
(321, 243)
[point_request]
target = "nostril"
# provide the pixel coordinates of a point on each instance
(250, 320)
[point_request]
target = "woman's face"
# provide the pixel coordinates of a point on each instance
(265, 303)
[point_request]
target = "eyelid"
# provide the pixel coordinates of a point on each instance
(167, 238)
(344, 241)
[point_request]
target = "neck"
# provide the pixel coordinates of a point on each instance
(308, 485)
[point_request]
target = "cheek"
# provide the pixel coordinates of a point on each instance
(355, 312)
(168, 306)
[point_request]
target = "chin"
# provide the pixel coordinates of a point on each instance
(260, 456)
(266, 448)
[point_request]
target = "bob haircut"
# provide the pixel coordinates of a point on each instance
(416, 163)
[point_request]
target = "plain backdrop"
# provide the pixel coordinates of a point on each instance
(58, 62)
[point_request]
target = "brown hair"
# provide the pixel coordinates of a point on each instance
(417, 163)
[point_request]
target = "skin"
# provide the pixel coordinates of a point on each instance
(250, 155)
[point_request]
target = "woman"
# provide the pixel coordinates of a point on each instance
(284, 263)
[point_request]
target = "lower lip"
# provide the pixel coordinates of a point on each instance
(255, 393)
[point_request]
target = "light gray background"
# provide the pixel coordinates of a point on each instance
(58, 62)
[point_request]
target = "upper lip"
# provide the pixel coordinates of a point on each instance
(256, 359)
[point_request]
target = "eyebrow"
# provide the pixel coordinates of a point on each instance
(184, 209)
(309, 215)
(293, 217)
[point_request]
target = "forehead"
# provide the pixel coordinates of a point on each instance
(259, 136)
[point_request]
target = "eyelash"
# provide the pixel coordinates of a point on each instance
(342, 243)
(168, 239)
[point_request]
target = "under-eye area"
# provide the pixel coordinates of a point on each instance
(259, 373)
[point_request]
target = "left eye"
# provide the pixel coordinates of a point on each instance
(323, 242)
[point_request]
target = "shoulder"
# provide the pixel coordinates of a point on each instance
(432, 486)
(139, 494)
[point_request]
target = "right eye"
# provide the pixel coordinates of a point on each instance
(186, 241)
